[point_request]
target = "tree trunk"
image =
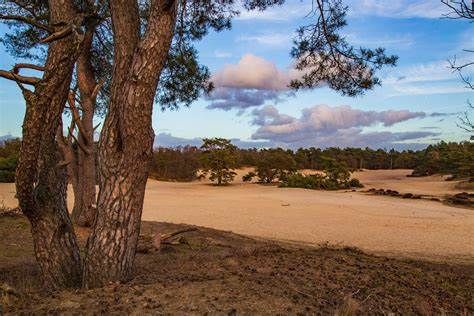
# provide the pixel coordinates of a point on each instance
(85, 209)
(54, 240)
(125, 146)
(40, 180)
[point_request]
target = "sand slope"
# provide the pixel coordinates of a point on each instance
(415, 228)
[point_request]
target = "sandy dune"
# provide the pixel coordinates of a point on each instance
(414, 228)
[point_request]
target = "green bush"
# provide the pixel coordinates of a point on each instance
(249, 176)
(9, 153)
(336, 176)
(318, 182)
(7, 176)
(355, 183)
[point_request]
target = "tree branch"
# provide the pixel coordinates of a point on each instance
(29, 21)
(58, 35)
(75, 115)
(81, 146)
(10, 75)
(97, 88)
(17, 67)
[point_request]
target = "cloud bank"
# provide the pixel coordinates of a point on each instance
(168, 140)
(430, 9)
(325, 126)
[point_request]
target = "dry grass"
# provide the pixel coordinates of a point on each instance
(220, 272)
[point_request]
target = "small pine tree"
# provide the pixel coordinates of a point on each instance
(219, 158)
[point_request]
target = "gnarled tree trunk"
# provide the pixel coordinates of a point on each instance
(84, 183)
(125, 148)
(40, 179)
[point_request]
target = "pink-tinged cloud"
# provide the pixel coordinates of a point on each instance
(324, 126)
(252, 72)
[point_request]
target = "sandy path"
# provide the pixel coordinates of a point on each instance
(415, 228)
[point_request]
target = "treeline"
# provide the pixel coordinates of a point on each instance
(184, 163)
(456, 159)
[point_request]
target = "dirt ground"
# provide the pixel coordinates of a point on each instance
(377, 224)
(222, 273)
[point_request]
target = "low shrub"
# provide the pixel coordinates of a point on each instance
(249, 176)
(7, 176)
(318, 182)
(355, 183)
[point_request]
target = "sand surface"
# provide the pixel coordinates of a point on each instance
(379, 224)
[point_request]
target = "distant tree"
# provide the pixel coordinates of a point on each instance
(335, 170)
(274, 164)
(456, 159)
(9, 153)
(179, 164)
(219, 158)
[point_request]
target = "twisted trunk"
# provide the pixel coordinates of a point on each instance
(40, 180)
(125, 146)
(84, 181)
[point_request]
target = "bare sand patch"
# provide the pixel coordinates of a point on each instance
(378, 224)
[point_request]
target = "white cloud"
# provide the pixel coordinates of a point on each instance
(386, 8)
(398, 8)
(428, 78)
(389, 41)
(268, 39)
(222, 54)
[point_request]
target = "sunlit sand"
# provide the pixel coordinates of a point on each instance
(379, 224)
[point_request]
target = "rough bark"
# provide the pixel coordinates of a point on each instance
(125, 146)
(84, 181)
(40, 180)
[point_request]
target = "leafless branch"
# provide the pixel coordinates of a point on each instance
(460, 9)
(459, 68)
(75, 114)
(466, 122)
(17, 67)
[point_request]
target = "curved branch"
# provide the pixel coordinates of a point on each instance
(58, 35)
(10, 75)
(17, 67)
(75, 115)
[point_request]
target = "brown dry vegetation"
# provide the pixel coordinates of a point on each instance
(216, 272)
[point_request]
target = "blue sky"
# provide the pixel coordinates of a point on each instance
(416, 104)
